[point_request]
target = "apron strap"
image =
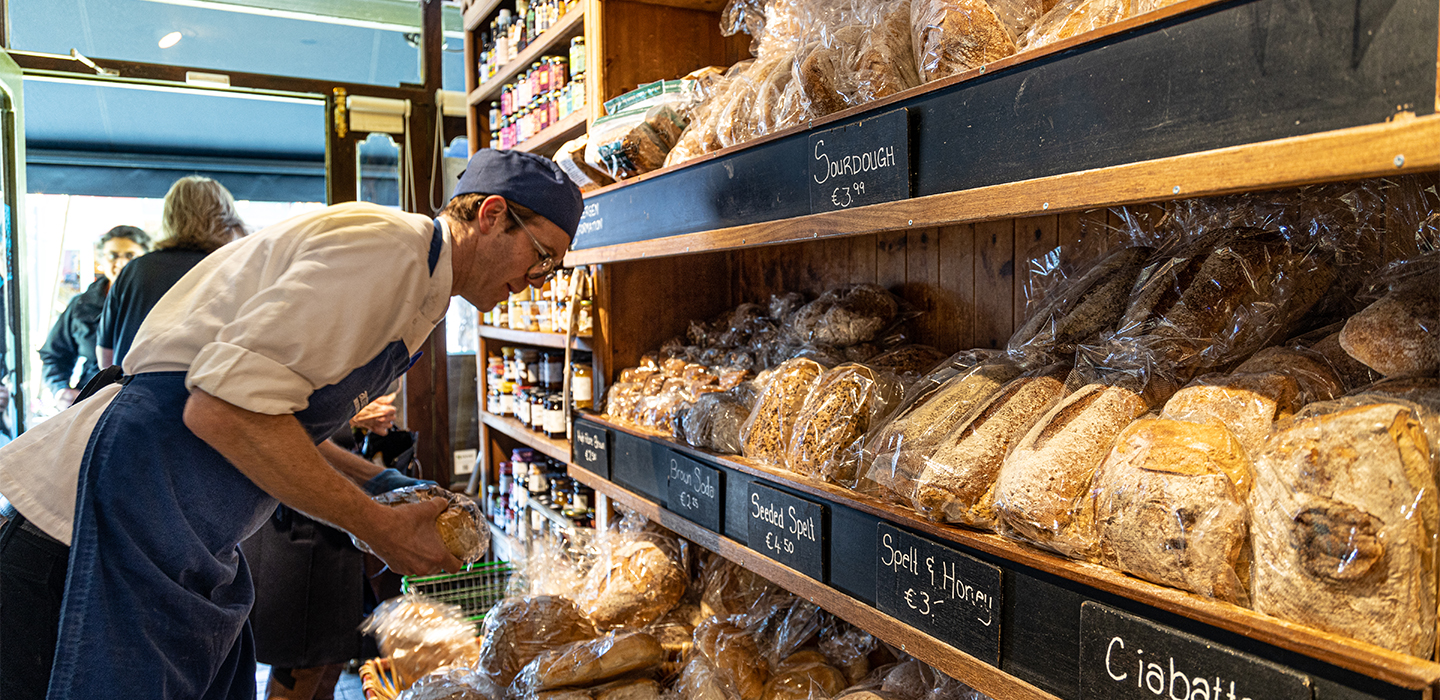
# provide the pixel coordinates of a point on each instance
(105, 377)
(437, 242)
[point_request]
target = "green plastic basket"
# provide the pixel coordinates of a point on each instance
(475, 590)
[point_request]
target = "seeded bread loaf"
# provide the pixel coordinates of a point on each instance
(767, 431)
(845, 402)
(1085, 306)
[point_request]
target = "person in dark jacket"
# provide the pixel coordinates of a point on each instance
(199, 218)
(72, 338)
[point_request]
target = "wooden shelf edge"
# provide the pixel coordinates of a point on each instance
(554, 136)
(564, 29)
(1351, 654)
(544, 340)
(475, 15)
(978, 674)
(554, 449)
(1344, 154)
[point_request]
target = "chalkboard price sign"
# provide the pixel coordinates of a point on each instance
(1129, 658)
(867, 162)
(592, 448)
(947, 594)
(788, 529)
(694, 491)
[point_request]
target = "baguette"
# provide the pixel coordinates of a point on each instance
(593, 661)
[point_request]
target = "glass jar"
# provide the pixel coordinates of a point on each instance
(502, 314)
(494, 400)
(585, 319)
(560, 490)
(537, 409)
(552, 369)
(507, 477)
(522, 405)
(507, 399)
(582, 384)
(554, 416)
(577, 57)
(553, 106)
(529, 359)
(494, 117)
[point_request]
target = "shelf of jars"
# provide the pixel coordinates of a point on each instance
(550, 42)
(555, 448)
(535, 338)
(552, 137)
(534, 497)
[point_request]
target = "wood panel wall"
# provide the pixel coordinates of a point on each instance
(633, 30)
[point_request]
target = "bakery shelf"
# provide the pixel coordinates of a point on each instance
(544, 340)
(1299, 644)
(552, 137)
(554, 449)
(569, 27)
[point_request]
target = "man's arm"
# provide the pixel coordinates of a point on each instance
(104, 357)
(276, 453)
(356, 468)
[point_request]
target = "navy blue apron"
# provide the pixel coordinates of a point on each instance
(158, 595)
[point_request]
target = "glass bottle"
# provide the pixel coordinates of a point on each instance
(494, 117)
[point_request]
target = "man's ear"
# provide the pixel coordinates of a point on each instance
(492, 212)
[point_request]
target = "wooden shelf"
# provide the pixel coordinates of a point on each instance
(550, 514)
(1343, 652)
(554, 449)
(477, 13)
(569, 27)
(554, 136)
(544, 340)
(980, 675)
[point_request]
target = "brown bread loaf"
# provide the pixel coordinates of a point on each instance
(1247, 404)
(801, 677)
(734, 656)
(1338, 540)
(955, 485)
(845, 402)
(699, 681)
(632, 586)
(953, 36)
(637, 689)
(885, 62)
(1169, 506)
(1399, 333)
(592, 661)
(1042, 482)
(1353, 373)
(519, 629)
(1082, 308)
(1072, 18)
(767, 432)
(1314, 376)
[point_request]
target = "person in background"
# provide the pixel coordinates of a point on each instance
(72, 338)
(199, 218)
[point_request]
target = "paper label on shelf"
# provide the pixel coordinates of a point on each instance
(694, 491)
(465, 461)
(867, 162)
(591, 449)
(947, 594)
(788, 529)
(1127, 657)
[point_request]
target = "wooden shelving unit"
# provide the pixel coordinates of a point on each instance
(552, 137)
(548, 43)
(544, 340)
(554, 449)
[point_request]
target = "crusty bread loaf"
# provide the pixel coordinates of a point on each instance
(1041, 484)
(953, 36)
(885, 62)
(632, 586)
(734, 656)
(1072, 18)
(461, 534)
(592, 661)
(730, 589)
(845, 402)
(518, 629)
(1085, 306)
(908, 360)
(1353, 373)
(767, 431)
(636, 689)
(699, 681)
(1399, 333)
(804, 679)
(1247, 404)
(1337, 540)
(1313, 374)
(564, 694)
(1169, 506)
(956, 482)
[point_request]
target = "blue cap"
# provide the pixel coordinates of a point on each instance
(532, 181)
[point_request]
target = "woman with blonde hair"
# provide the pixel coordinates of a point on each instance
(199, 219)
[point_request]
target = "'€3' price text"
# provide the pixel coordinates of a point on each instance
(844, 196)
(919, 601)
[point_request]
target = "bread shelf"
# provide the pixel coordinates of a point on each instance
(569, 27)
(544, 340)
(552, 137)
(554, 449)
(1288, 640)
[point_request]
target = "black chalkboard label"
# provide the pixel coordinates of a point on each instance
(694, 490)
(949, 595)
(866, 162)
(592, 448)
(1129, 658)
(788, 529)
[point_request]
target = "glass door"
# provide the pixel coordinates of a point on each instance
(12, 188)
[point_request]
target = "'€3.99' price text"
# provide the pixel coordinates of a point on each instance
(845, 196)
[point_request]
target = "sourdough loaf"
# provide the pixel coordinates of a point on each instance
(885, 61)
(519, 629)
(1314, 376)
(1337, 541)
(632, 585)
(803, 677)
(733, 654)
(1247, 404)
(953, 36)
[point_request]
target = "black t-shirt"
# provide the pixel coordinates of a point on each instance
(137, 289)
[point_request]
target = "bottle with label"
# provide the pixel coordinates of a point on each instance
(582, 383)
(537, 409)
(494, 117)
(552, 369)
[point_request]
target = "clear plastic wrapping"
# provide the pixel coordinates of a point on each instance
(571, 159)
(1072, 17)
(1081, 307)
(519, 629)
(634, 141)
(728, 589)
(636, 579)
(884, 63)
(734, 660)
(1342, 519)
(804, 675)
(452, 684)
(847, 647)
(781, 624)
(766, 433)
(1046, 477)
(552, 566)
(420, 635)
(1169, 505)
(959, 475)
(589, 662)
(909, 361)
(846, 316)
(953, 36)
(461, 525)
(714, 422)
(845, 402)
(1399, 333)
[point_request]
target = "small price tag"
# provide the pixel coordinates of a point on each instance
(867, 162)
(1129, 658)
(787, 529)
(693, 490)
(949, 595)
(591, 450)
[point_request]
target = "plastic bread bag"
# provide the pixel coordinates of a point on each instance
(1420, 392)
(714, 422)
(589, 662)
(1342, 522)
(909, 361)
(676, 633)
(958, 477)
(519, 629)
(733, 660)
(845, 402)
(728, 589)
(1073, 17)
(1168, 505)
(953, 36)
(553, 566)
(620, 400)
(420, 635)
(1248, 404)
(847, 647)
(1399, 333)
(781, 624)
(884, 63)
(452, 684)
(1045, 479)
(766, 433)
(571, 159)
(900, 447)
(804, 675)
(634, 141)
(1325, 342)
(638, 576)
(699, 136)
(1082, 307)
(846, 316)
(461, 525)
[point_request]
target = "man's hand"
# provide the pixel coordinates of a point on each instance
(378, 416)
(277, 455)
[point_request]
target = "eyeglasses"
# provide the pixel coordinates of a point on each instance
(544, 268)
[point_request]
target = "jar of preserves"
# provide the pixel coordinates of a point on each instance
(582, 384)
(577, 57)
(554, 416)
(552, 369)
(537, 409)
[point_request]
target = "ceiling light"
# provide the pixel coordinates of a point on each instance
(169, 40)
